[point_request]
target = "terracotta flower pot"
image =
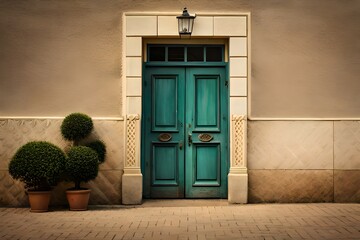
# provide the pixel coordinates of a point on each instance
(39, 201)
(78, 199)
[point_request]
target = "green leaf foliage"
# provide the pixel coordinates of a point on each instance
(100, 148)
(82, 165)
(76, 126)
(38, 164)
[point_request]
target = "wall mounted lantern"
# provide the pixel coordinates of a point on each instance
(185, 23)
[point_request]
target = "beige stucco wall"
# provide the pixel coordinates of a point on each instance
(63, 56)
(306, 57)
(59, 57)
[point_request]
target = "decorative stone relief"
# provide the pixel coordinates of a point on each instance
(238, 159)
(132, 130)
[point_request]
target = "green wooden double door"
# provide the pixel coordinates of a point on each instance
(185, 132)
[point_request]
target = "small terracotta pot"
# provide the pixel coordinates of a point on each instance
(78, 199)
(39, 201)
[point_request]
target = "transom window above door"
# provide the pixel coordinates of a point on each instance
(185, 53)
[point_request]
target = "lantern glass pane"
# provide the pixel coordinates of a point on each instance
(191, 24)
(185, 28)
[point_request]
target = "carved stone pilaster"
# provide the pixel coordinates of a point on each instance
(238, 177)
(238, 142)
(132, 177)
(132, 141)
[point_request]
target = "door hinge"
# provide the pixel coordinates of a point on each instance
(226, 83)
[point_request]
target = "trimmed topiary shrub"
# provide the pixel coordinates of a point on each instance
(100, 148)
(38, 164)
(76, 126)
(82, 165)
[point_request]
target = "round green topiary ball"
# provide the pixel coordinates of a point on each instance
(100, 148)
(38, 164)
(82, 165)
(76, 126)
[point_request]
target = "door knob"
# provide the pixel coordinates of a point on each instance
(181, 145)
(189, 139)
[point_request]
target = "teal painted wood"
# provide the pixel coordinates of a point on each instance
(164, 103)
(185, 102)
(163, 112)
(206, 163)
(206, 102)
(165, 164)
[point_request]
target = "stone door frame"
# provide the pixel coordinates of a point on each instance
(236, 28)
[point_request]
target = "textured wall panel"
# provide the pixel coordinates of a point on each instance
(290, 145)
(15, 133)
(105, 189)
(347, 185)
(290, 186)
(112, 133)
(12, 192)
(347, 144)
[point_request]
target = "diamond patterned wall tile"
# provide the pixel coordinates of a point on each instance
(12, 193)
(105, 189)
(290, 186)
(15, 133)
(347, 144)
(112, 133)
(290, 145)
(347, 185)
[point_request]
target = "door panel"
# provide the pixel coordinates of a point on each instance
(185, 140)
(206, 165)
(164, 101)
(206, 103)
(163, 116)
(165, 164)
(206, 117)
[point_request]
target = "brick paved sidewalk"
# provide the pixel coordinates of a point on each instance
(202, 219)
